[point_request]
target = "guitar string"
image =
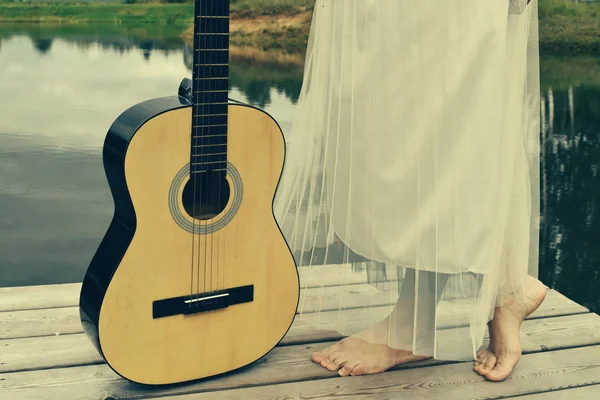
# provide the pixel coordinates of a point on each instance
(200, 177)
(197, 139)
(231, 187)
(192, 142)
(210, 67)
(217, 182)
(204, 129)
(209, 174)
(226, 47)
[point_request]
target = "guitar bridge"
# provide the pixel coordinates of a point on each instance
(202, 302)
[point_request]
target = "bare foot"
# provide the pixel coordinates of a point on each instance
(358, 356)
(497, 362)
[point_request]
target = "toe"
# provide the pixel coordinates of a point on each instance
(327, 364)
(506, 361)
(485, 361)
(477, 367)
(481, 357)
(359, 369)
(482, 354)
(347, 369)
(500, 371)
(323, 354)
(338, 359)
(317, 357)
(488, 364)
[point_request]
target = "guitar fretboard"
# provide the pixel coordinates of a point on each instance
(210, 76)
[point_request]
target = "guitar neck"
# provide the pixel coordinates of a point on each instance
(210, 78)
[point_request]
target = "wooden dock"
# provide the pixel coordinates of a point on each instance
(44, 355)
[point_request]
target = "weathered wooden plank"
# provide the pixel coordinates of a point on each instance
(36, 297)
(538, 372)
(342, 297)
(283, 364)
(591, 392)
(47, 352)
(67, 295)
(74, 350)
(330, 275)
(53, 321)
(28, 323)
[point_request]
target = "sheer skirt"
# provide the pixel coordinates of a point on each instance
(412, 173)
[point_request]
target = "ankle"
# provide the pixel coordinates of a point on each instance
(508, 313)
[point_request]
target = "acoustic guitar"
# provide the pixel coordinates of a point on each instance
(194, 277)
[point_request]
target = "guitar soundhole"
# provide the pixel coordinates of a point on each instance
(206, 195)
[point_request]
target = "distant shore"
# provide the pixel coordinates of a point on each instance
(284, 24)
(285, 28)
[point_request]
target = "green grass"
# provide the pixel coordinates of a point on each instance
(96, 13)
(567, 27)
(289, 40)
(144, 11)
(270, 7)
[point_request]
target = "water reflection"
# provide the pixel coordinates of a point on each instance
(61, 88)
(42, 45)
(59, 93)
(256, 80)
(569, 254)
(120, 38)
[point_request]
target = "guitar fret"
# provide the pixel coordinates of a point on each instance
(212, 34)
(209, 145)
(213, 7)
(212, 59)
(207, 126)
(213, 16)
(215, 78)
(210, 162)
(212, 170)
(209, 154)
(210, 104)
(211, 70)
(205, 136)
(198, 50)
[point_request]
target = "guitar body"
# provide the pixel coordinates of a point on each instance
(155, 258)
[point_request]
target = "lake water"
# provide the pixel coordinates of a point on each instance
(61, 88)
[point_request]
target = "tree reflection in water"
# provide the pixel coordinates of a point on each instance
(569, 248)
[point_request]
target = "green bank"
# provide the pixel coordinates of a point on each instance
(136, 11)
(565, 26)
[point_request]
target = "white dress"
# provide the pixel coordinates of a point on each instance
(416, 147)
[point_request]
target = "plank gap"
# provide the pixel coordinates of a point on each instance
(74, 365)
(42, 308)
(525, 396)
